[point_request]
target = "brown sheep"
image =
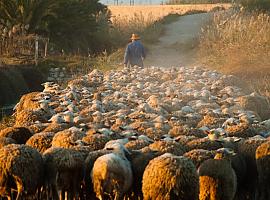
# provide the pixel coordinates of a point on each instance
(19, 134)
(21, 169)
(263, 167)
(41, 141)
(170, 177)
(217, 177)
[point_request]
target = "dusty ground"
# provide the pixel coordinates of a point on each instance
(176, 46)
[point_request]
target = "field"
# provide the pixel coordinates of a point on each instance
(157, 12)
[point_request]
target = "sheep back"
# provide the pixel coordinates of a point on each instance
(217, 180)
(170, 177)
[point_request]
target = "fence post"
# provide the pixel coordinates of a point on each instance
(46, 47)
(36, 50)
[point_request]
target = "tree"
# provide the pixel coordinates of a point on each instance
(25, 12)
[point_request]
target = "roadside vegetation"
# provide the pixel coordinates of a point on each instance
(238, 42)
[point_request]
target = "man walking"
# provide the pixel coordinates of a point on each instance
(135, 53)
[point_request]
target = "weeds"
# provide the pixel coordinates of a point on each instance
(239, 43)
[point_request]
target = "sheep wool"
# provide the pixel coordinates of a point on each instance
(112, 174)
(21, 169)
(217, 179)
(170, 177)
(263, 167)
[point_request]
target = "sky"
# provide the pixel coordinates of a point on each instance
(126, 2)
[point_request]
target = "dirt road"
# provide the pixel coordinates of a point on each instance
(176, 46)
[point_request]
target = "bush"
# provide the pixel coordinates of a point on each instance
(255, 4)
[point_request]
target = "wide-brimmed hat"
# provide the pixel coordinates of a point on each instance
(135, 36)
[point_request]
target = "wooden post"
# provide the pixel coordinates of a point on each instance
(46, 47)
(36, 50)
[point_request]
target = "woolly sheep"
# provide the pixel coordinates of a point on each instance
(217, 177)
(41, 141)
(204, 143)
(170, 177)
(5, 141)
(112, 174)
(21, 169)
(247, 148)
(241, 130)
(89, 163)
(67, 138)
(139, 161)
(263, 167)
(64, 170)
(19, 134)
(168, 147)
(96, 141)
(199, 155)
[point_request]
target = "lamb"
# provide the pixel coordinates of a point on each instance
(263, 163)
(41, 141)
(21, 169)
(64, 169)
(217, 177)
(170, 177)
(112, 174)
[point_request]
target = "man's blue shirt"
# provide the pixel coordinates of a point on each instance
(134, 53)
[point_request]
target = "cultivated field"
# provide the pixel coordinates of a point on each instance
(156, 12)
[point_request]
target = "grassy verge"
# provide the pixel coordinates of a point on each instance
(239, 43)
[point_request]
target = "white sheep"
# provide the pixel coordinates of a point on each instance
(112, 173)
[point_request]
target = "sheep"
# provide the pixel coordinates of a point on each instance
(96, 141)
(41, 141)
(64, 170)
(137, 144)
(67, 138)
(170, 177)
(199, 155)
(168, 147)
(243, 130)
(263, 167)
(217, 177)
(21, 169)
(19, 134)
(5, 141)
(139, 161)
(204, 143)
(112, 174)
(247, 149)
(89, 163)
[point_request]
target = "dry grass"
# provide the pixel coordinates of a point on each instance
(152, 13)
(239, 43)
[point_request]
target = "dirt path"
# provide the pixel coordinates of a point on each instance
(176, 46)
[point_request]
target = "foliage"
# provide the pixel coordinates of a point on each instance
(71, 25)
(255, 4)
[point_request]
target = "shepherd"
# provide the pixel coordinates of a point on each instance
(135, 53)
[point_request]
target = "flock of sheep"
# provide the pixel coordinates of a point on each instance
(152, 133)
